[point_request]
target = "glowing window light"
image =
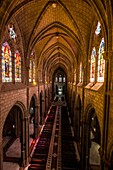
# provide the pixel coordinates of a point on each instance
(81, 74)
(101, 62)
(6, 63)
(17, 67)
(34, 71)
(30, 71)
(12, 32)
(98, 29)
(92, 66)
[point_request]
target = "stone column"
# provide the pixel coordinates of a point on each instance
(22, 140)
(72, 112)
(77, 123)
(43, 108)
(26, 140)
(36, 122)
(85, 145)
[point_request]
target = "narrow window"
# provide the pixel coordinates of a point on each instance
(81, 74)
(92, 66)
(101, 62)
(98, 29)
(17, 67)
(34, 71)
(6, 63)
(30, 70)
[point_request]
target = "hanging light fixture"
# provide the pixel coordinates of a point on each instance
(54, 5)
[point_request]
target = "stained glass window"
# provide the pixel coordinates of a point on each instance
(81, 74)
(101, 62)
(17, 67)
(30, 70)
(33, 71)
(92, 66)
(98, 29)
(6, 63)
(12, 32)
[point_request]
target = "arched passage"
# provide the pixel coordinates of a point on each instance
(32, 118)
(59, 81)
(90, 141)
(33, 122)
(13, 135)
(95, 136)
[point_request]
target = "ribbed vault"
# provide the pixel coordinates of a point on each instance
(58, 31)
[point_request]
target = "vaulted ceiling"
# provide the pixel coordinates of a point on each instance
(58, 30)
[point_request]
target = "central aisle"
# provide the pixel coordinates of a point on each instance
(55, 149)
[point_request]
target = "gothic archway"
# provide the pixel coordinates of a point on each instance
(13, 135)
(91, 138)
(32, 118)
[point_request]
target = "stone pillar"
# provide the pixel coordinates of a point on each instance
(43, 108)
(77, 124)
(85, 145)
(36, 122)
(26, 140)
(38, 113)
(48, 99)
(22, 140)
(72, 112)
(47, 106)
